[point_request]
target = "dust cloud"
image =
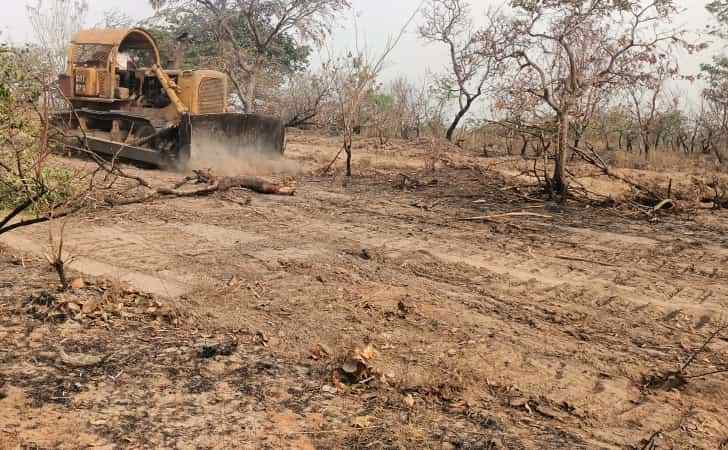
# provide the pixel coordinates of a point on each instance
(230, 160)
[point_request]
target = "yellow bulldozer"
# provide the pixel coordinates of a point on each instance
(125, 105)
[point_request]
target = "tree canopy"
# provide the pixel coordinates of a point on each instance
(196, 21)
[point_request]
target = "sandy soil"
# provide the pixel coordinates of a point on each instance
(364, 313)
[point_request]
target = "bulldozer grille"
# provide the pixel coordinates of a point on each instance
(103, 84)
(211, 96)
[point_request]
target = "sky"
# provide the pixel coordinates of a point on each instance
(377, 19)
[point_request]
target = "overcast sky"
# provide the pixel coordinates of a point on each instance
(377, 20)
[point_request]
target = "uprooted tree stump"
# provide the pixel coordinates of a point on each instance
(255, 184)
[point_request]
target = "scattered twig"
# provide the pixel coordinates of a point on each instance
(591, 261)
(667, 203)
(652, 441)
(707, 342)
(326, 169)
(701, 375)
(335, 431)
(491, 217)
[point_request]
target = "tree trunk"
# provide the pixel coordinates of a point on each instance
(524, 147)
(458, 117)
(658, 138)
(719, 155)
(347, 149)
(558, 182)
(253, 85)
(646, 143)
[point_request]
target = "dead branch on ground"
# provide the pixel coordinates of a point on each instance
(592, 157)
(213, 184)
(674, 379)
(491, 217)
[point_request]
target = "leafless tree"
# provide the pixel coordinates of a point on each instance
(715, 117)
(116, 18)
(565, 49)
(449, 22)
(413, 107)
(54, 23)
(647, 98)
(353, 78)
(304, 96)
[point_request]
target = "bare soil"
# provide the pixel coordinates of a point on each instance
(364, 313)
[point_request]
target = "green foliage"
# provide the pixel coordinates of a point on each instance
(205, 46)
(715, 75)
(50, 187)
(24, 170)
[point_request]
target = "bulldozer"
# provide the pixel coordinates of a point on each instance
(125, 105)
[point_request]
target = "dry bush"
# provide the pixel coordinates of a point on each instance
(304, 98)
(660, 161)
(57, 257)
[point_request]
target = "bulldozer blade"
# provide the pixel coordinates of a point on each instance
(236, 136)
(117, 150)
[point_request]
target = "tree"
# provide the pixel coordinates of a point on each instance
(448, 22)
(413, 107)
(54, 23)
(715, 95)
(647, 98)
(715, 113)
(260, 26)
(303, 97)
(353, 78)
(28, 182)
(719, 8)
(116, 18)
(565, 49)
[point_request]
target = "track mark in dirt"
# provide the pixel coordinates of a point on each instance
(223, 236)
(169, 284)
(520, 267)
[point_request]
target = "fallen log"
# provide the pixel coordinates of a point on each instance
(217, 184)
(255, 184)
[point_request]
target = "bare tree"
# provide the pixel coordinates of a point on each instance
(116, 18)
(449, 22)
(304, 96)
(715, 114)
(647, 98)
(408, 107)
(565, 49)
(54, 23)
(353, 78)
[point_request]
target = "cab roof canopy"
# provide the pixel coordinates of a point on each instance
(120, 38)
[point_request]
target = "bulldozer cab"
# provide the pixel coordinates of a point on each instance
(123, 67)
(101, 61)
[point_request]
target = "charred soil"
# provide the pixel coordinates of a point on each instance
(365, 313)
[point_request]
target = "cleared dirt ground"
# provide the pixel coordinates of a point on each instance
(231, 321)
